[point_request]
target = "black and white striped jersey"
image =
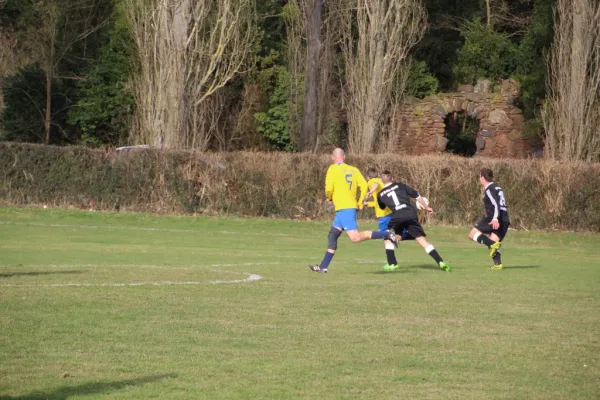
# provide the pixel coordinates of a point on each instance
(396, 196)
(495, 203)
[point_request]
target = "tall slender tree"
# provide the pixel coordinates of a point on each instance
(187, 50)
(572, 110)
(375, 38)
(310, 117)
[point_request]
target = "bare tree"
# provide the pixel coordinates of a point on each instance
(329, 82)
(295, 23)
(55, 27)
(160, 80)
(310, 116)
(572, 109)
(506, 16)
(9, 56)
(187, 50)
(9, 51)
(237, 130)
(296, 16)
(386, 138)
(375, 38)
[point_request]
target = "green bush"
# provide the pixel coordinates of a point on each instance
(420, 81)
(106, 101)
(532, 54)
(540, 194)
(273, 123)
(485, 54)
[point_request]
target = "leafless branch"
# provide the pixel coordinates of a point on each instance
(188, 50)
(386, 30)
(572, 109)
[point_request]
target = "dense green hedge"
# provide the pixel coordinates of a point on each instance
(541, 195)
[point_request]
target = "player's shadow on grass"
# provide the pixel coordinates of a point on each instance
(36, 273)
(425, 266)
(398, 271)
(406, 268)
(66, 392)
(521, 266)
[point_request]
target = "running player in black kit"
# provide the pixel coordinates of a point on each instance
(396, 196)
(496, 221)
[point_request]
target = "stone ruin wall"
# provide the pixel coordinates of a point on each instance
(419, 129)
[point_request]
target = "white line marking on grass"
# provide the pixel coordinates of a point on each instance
(249, 277)
(137, 228)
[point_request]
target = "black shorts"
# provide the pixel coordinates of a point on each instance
(412, 226)
(484, 226)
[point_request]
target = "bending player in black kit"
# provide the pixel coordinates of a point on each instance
(396, 196)
(496, 221)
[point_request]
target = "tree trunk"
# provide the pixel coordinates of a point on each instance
(488, 10)
(310, 118)
(187, 124)
(578, 78)
(571, 110)
(374, 102)
(48, 115)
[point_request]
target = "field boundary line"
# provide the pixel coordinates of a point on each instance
(139, 228)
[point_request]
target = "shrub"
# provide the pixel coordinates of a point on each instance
(273, 123)
(421, 82)
(485, 54)
(540, 194)
(105, 106)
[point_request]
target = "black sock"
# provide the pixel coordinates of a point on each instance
(497, 259)
(434, 254)
(481, 238)
(391, 257)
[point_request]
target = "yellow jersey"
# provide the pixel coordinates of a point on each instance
(341, 184)
(373, 203)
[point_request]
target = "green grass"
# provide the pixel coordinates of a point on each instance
(530, 331)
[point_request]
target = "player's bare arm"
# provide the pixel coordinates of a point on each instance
(369, 194)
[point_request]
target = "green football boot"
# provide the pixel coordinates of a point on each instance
(445, 267)
(389, 267)
(497, 267)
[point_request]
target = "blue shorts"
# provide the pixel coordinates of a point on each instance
(383, 222)
(346, 219)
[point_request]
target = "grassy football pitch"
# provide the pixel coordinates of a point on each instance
(225, 308)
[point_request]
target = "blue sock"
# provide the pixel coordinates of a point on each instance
(406, 236)
(326, 260)
(380, 235)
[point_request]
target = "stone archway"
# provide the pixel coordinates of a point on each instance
(419, 129)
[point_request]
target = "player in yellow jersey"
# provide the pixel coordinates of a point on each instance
(375, 185)
(341, 187)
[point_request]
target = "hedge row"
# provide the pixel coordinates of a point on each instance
(540, 194)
